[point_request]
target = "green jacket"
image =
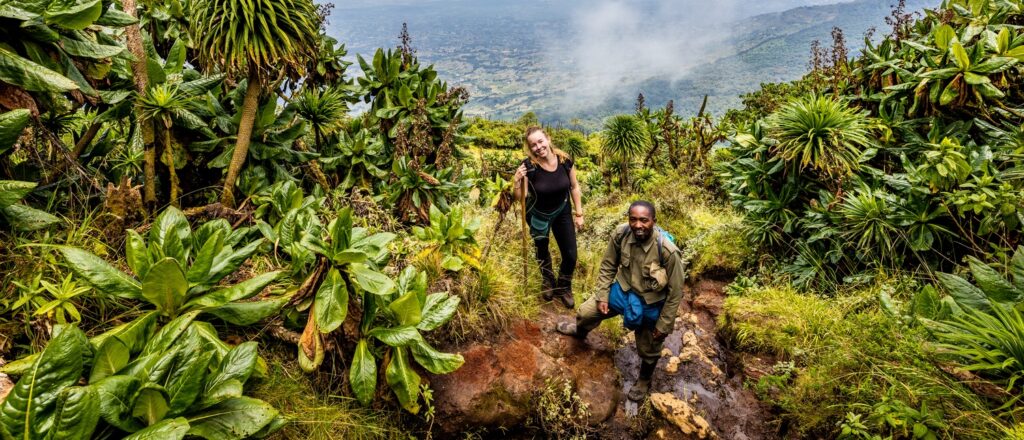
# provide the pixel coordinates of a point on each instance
(637, 267)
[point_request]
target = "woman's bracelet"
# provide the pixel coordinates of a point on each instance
(578, 214)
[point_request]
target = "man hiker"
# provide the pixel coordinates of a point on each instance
(641, 278)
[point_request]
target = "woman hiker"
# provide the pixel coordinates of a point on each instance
(551, 182)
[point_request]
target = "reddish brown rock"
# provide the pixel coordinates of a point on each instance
(499, 380)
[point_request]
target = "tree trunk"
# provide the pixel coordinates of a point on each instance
(140, 76)
(169, 152)
(249, 108)
(86, 139)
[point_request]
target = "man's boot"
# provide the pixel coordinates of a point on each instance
(642, 386)
(570, 329)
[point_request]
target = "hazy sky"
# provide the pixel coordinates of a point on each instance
(612, 43)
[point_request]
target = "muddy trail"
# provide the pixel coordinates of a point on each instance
(697, 391)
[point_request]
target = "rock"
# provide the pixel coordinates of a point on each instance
(5, 387)
(666, 352)
(673, 365)
(682, 416)
(498, 381)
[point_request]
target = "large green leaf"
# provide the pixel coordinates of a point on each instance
(170, 332)
(331, 302)
(78, 411)
(244, 290)
(117, 397)
(396, 336)
(960, 57)
(136, 254)
(73, 14)
(168, 429)
(165, 286)
(170, 234)
(28, 410)
(434, 361)
(200, 270)
(965, 293)
(340, 230)
(926, 303)
(407, 308)
(26, 218)
(31, 76)
(944, 35)
(1017, 268)
(101, 274)
(370, 280)
(150, 404)
(440, 307)
(995, 286)
(248, 313)
(236, 418)
(134, 333)
(237, 365)
(403, 380)
(88, 49)
(11, 191)
(230, 260)
(112, 355)
(362, 375)
(184, 382)
(12, 123)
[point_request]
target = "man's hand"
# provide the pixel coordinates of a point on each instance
(602, 306)
(657, 335)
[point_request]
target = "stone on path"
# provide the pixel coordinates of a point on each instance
(682, 416)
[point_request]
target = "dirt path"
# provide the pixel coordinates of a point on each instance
(697, 378)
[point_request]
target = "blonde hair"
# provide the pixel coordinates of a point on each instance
(561, 155)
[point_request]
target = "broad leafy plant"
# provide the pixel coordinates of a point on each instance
(178, 270)
(354, 258)
(392, 326)
(452, 237)
(156, 384)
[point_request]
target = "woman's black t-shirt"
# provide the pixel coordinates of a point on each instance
(549, 189)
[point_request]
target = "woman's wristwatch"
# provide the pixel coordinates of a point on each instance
(577, 214)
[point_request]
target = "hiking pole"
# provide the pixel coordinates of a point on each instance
(526, 232)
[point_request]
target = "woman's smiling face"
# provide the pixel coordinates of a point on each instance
(539, 143)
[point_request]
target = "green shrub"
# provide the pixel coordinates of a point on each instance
(850, 355)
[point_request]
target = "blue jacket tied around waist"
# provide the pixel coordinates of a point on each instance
(635, 313)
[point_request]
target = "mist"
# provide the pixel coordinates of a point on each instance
(610, 45)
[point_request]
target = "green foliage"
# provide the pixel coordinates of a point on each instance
(178, 269)
(237, 38)
(21, 217)
(561, 413)
(393, 326)
(820, 133)
(153, 383)
(885, 375)
(486, 133)
(911, 158)
(451, 239)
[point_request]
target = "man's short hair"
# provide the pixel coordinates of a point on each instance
(645, 204)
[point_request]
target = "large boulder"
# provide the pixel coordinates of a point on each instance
(500, 379)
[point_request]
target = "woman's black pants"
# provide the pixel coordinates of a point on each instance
(565, 235)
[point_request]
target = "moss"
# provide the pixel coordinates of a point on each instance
(849, 356)
(313, 412)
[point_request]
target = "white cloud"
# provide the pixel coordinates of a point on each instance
(613, 44)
